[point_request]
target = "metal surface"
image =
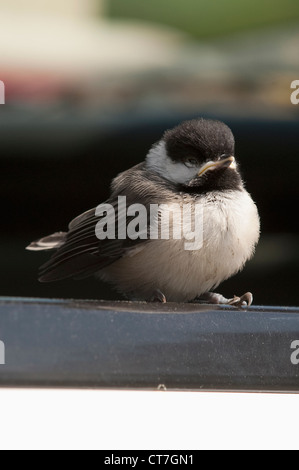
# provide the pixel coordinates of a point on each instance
(71, 343)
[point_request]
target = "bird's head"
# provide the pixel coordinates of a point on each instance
(198, 156)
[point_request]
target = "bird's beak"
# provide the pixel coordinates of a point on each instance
(229, 162)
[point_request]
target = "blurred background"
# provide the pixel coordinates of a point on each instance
(92, 84)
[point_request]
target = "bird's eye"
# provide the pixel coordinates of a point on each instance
(191, 162)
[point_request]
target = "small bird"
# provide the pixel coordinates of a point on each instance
(193, 165)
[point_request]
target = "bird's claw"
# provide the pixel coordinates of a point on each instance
(244, 301)
(158, 296)
(239, 302)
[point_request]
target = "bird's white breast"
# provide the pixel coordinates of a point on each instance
(230, 233)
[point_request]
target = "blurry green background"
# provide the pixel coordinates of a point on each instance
(91, 85)
(207, 19)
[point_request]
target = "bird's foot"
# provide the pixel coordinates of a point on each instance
(239, 302)
(158, 296)
(244, 301)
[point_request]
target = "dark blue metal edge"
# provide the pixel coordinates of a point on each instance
(129, 345)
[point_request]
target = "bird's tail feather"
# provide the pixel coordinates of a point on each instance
(52, 242)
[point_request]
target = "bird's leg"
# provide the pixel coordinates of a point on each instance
(158, 296)
(213, 298)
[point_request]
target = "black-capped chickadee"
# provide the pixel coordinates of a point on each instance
(192, 166)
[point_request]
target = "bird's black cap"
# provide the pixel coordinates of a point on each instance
(201, 139)
(205, 140)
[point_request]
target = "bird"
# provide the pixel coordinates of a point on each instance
(192, 165)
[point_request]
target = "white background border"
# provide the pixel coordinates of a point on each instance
(108, 420)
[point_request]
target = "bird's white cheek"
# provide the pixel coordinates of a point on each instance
(161, 163)
(180, 173)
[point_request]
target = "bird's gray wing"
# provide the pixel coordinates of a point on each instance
(83, 253)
